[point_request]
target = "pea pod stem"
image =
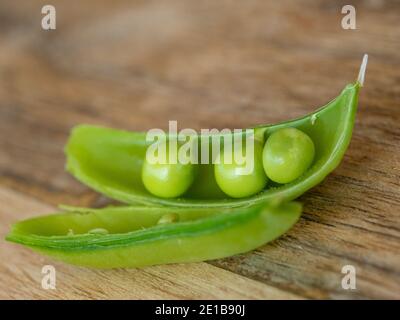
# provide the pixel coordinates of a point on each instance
(363, 70)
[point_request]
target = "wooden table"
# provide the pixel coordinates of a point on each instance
(136, 65)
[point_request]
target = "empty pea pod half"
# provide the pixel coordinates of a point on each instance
(140, 236)
(111, 161)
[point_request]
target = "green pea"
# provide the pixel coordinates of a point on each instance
(167, 180)
(287, 154)
(230, 177)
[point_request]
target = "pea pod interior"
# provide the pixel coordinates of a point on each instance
(110, 161)
(133, 237)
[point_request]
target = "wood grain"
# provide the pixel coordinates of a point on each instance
(136, 65)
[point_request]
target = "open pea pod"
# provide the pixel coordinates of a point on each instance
(110, 161)
(140, 236)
